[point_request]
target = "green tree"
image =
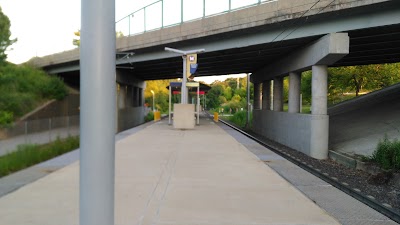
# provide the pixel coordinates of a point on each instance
(213, 94)
(228, 93)
(77, 41)
(5, 35)
(161, 94)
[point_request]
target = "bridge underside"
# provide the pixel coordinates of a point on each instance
(368, 46)
(374, 37)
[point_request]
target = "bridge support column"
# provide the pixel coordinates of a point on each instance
(294, 92)
(278, 94)
(266, 95)
(257, 96)
(319, 110)
(319, 90)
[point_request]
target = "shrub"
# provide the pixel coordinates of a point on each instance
(239, 118)
(22, 88)
(387, 154)
(6, 118)
(54, 89)
(149, 116)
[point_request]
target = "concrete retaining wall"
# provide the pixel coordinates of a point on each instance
(69, 106)
(130, 117)
(298, 131)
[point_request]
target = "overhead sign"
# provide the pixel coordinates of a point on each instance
(192, 84)
(175, 84)
(193, 68)
(191, 64)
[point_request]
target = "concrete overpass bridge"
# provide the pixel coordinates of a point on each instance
(270, 39)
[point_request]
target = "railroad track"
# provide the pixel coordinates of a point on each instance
(355, 193)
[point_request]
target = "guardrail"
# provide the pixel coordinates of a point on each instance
(167, 13)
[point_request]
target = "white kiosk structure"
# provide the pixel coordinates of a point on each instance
(184, 114)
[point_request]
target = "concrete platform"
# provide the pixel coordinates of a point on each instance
(167, 176)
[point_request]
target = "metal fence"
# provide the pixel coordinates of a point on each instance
(166, 13)
(39, 131)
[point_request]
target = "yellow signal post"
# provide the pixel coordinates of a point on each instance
(215, 116)
(190, 59)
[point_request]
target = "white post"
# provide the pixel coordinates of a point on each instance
(248, 102)
(98, 104)
(152, 92)
(198, 105)
(169, 109)
(184, 89)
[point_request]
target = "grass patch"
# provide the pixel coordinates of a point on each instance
(239, 118)
(306, 109)
(28, 155)
(387, 154)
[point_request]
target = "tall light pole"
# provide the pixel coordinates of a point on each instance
(153, 99)
(184, 78)
(248, 102)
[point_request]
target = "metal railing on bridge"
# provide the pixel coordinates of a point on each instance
(167, 13)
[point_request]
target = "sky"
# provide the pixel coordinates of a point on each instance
(45, 27)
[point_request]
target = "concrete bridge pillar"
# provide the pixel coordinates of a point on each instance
(121, 96)
(319, 109)
(257, 96)
(294, 92)
(266, 95)
(319, 90)
(278, 94)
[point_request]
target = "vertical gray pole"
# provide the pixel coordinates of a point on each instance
(198, 105)
(184, 90)
(68, 126)
(162, 13)
(144, 19)
(26, 132)
(98, 104)
(49, 129)
(204, 8)
(181, 11)
(248, 102)
(169, 109)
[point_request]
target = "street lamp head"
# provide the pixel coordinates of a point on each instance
(184, 52)
(152, 92)
(174, 50)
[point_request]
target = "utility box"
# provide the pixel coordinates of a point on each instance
(184, 116)
(157, 115)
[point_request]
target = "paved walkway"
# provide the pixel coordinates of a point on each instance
(166, 176)
(11, 144)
